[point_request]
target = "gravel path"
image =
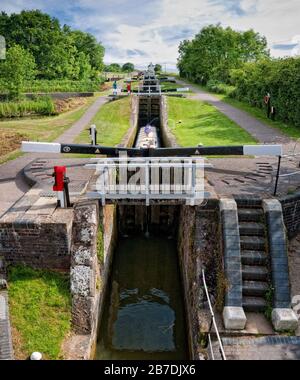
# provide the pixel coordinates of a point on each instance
(12, 185)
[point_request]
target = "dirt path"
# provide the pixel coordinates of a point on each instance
(12, 185)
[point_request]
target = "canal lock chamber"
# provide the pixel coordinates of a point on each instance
(143, 316)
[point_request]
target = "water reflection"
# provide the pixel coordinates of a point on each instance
(144, 316)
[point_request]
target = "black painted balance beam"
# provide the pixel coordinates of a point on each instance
(248, 150)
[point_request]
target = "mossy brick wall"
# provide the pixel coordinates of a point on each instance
(291, 213)
(41, 242)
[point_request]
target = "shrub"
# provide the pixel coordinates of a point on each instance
(219, 87)
(47, 86)
(40, 106)
(280, 78)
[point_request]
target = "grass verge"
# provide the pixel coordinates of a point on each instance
(112, 121)
(40, 310)
(194, 122)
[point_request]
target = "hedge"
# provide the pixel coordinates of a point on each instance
(40, 106)
(280, 78)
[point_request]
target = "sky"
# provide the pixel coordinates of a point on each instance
(141, 31)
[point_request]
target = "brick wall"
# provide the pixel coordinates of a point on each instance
(42, 242)
(291, 213)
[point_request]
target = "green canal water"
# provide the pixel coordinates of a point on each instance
(143, 316)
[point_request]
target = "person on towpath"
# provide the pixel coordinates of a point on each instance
(115, 88)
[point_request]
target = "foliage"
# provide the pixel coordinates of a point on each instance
(18, 66)
(219, 87)
(40, 310)
(59, 52)
(158, 68)
(280, 78)
(100, 245)
(113, 68)
(47, 86)
(40, 106)
(128, 67)
(215, 51)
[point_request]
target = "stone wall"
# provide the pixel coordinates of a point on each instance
(129, 139)
(84, 267)
(39, 241)
(198, 247)
(168, 138)
(291, 213)
(94, 238)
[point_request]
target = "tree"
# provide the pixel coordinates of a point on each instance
(86, 43)
(158, 68)
(18, 67)
(113, 68)
(57, 50)
(128, 67)
(216, 50)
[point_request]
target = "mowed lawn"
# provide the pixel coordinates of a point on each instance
(40, 311)
(12, 132)
(112, 122)
(194, 122)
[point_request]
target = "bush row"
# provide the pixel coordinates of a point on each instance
(280, 78)
(48, 86)
(40, 106)
(63, 86)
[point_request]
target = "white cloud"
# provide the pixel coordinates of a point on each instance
(156, 27)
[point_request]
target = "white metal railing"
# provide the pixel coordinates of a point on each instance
(149, 179)
(221, 348)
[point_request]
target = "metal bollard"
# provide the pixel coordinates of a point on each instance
(93, 134)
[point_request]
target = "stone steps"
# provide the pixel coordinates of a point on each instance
(255, 288)
(254, 304)
(251, 229)
(250, 215)
(254, 273)
(254, 257)
(253, 243)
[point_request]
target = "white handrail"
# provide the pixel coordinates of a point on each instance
(213, 319)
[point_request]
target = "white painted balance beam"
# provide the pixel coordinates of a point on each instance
(263, 150)
(38, 147)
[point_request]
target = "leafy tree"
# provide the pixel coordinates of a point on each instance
(158, 68)
(113, 68)
(87, 44)
(18, 67)
(59, 52)
(215, 51)
(128, 67)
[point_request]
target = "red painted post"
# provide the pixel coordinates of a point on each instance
(59, 184)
